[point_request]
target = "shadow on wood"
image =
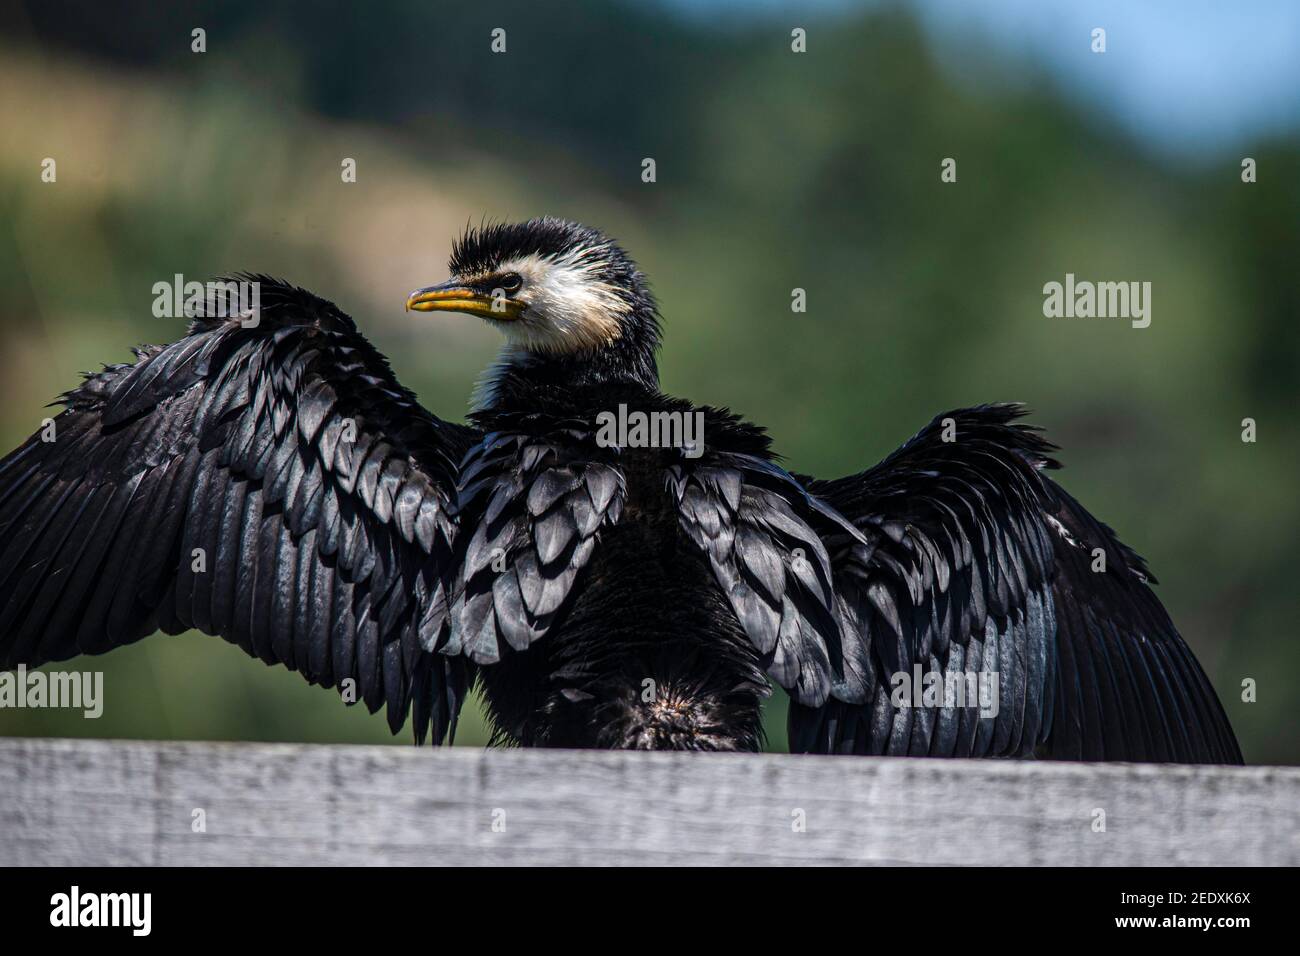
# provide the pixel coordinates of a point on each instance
(92, 803)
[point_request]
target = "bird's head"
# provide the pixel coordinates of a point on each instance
(565, 296)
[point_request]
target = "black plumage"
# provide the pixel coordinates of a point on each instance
(276, 486)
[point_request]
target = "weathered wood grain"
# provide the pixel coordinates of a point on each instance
(85, 802)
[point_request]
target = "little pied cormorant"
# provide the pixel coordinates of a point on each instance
(602, 595)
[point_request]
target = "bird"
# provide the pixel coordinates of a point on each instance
(612, 567)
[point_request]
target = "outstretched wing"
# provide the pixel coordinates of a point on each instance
(977, 563)
(273, 485)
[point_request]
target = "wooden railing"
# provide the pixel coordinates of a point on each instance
(83, 802)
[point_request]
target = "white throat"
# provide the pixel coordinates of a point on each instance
(569, 307)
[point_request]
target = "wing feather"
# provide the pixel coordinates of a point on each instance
(978, 563)
(273, 485)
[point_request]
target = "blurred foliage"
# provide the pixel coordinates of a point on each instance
(775, 171)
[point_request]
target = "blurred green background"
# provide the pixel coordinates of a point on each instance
(775, 170)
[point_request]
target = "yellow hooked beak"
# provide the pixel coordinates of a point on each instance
(453, 297)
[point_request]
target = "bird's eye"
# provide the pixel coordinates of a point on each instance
(511, 282)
